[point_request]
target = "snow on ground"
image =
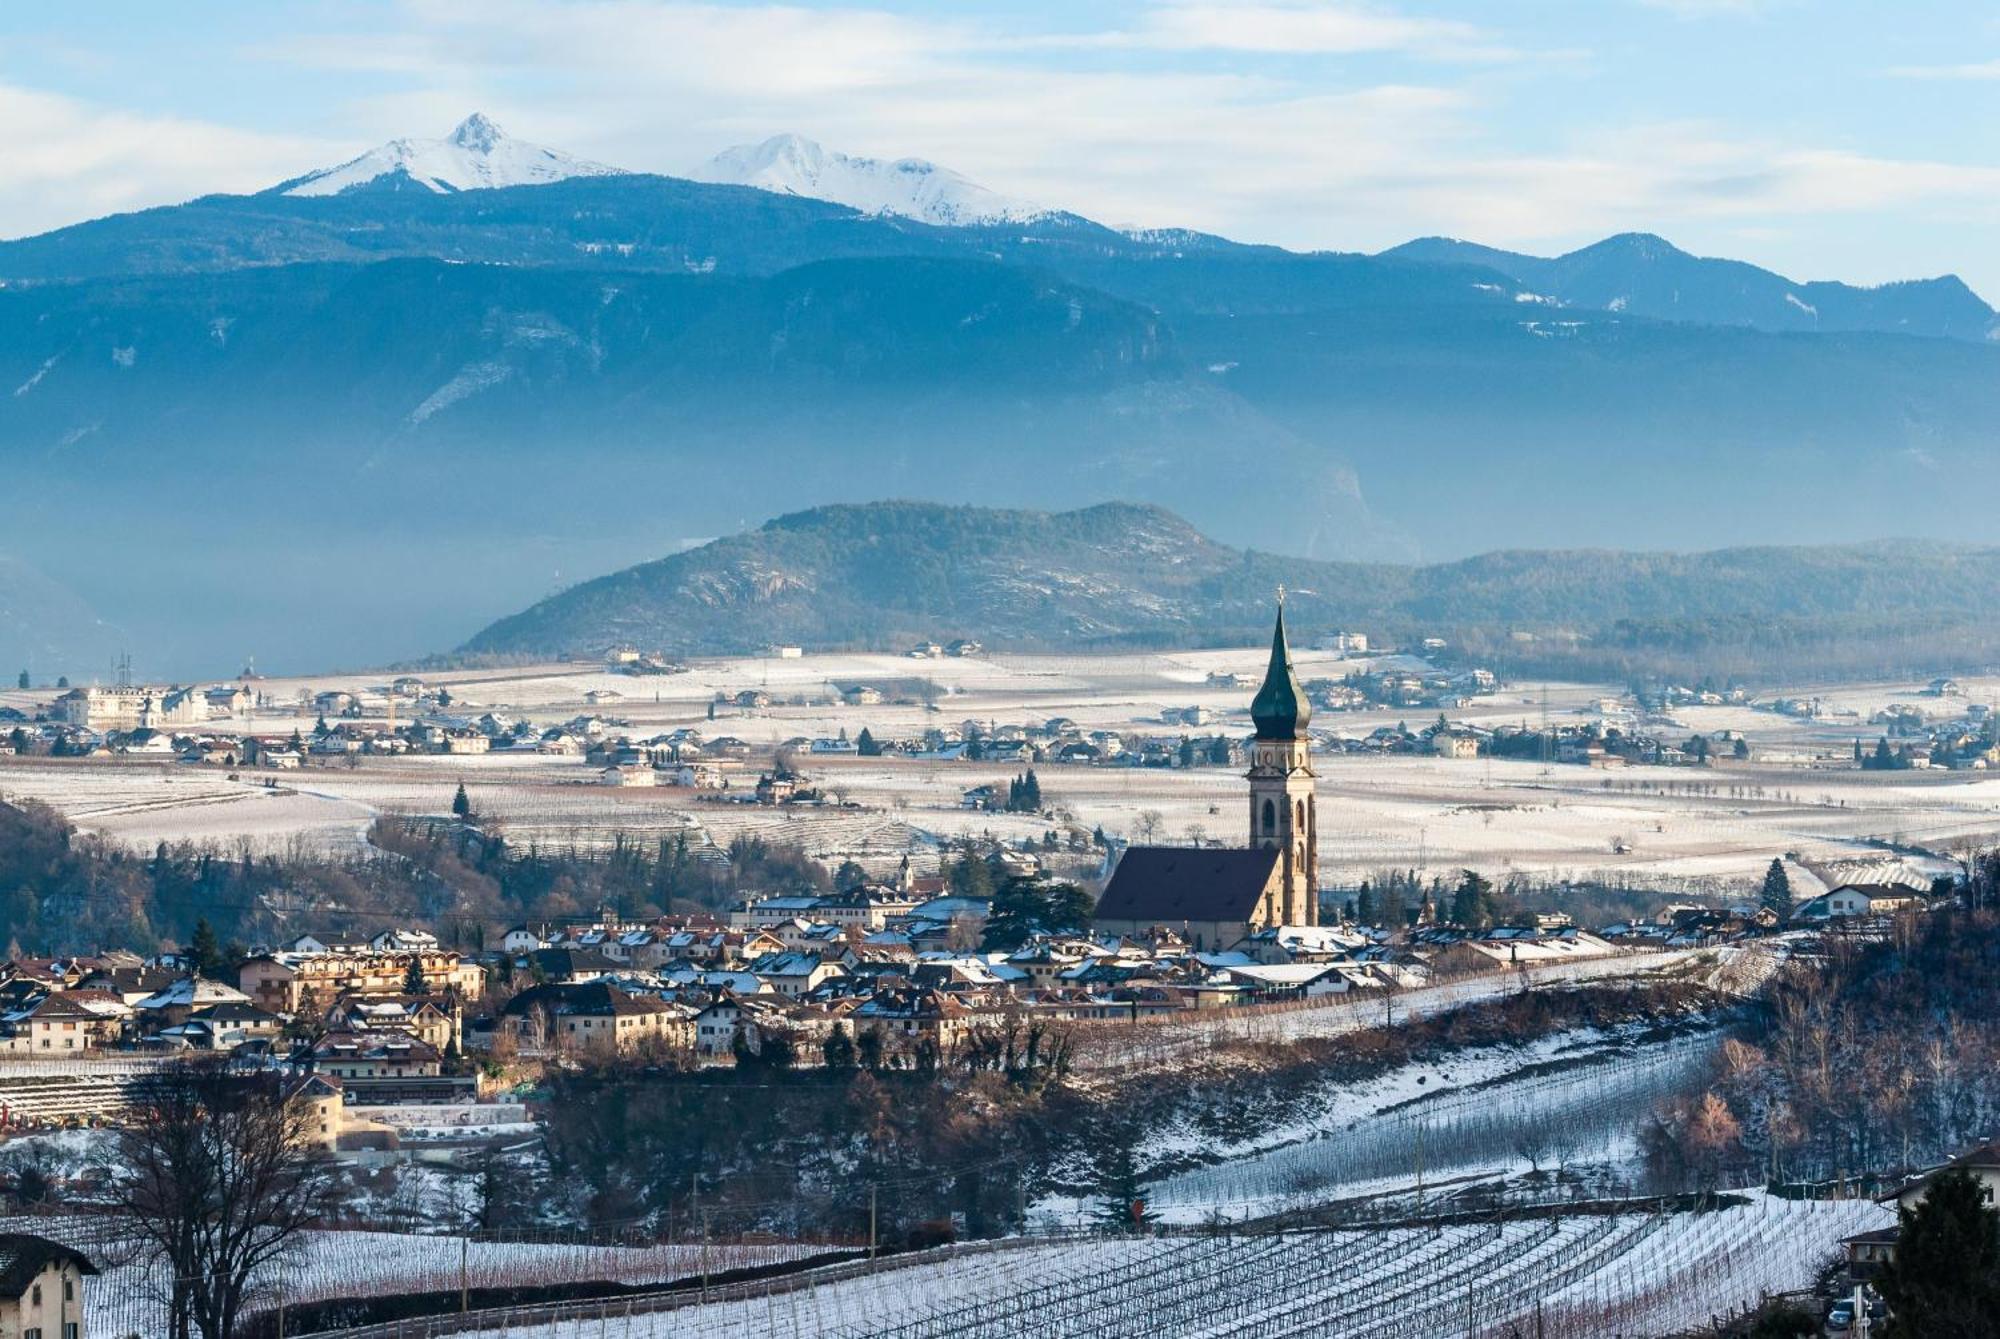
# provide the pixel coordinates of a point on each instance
(1570, 1117)
(126, 1298)
(1595, 1275)
(1675, 826)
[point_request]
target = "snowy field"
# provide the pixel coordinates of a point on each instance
(1583, 1275)
(1717, 826)
(127, 1299)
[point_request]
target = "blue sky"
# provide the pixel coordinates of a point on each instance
(1825, 140)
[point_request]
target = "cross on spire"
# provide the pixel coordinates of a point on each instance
(1281, 595)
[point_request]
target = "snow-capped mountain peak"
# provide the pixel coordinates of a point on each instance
(475, 156)
(911, 187)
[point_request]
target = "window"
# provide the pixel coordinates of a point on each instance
(69, 1290)
(1270, 818)
(34, 1332)
(70, 1329)
(36, 1295)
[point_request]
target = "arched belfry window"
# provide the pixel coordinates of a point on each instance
(1270, 819)
(1301, 821)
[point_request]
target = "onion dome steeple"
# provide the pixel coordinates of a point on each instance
(1280, 709)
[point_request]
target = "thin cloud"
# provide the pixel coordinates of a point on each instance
(63, 160)
(1296, 27)
(1977, 70)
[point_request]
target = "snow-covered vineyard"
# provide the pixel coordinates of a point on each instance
(1576, 1276)
(129, 1298)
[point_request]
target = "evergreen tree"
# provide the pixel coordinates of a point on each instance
(62, 680)
(1392, 914)
(868, 1049)
(205, 951)
(413, 978)
(1120, 1192)
(865, 745)
(1945, 1278)
(1364, 905)
(838, 1050)
(1743, 750)
(1777, 894)
(22, 682)
(970, 876)
(1218, 751)
(461, 803)
(1472, 903)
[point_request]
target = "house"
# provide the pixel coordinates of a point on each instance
(325, 1104)
(373, 1055)
(1871, 899)
(914, 1015)
(1455, 744)
(630, 774)
(599, 1017)
(1868, 1252)
(1983, 1164)
(522, 939)
(861, 695)
(223, 1027)
(404, 941)
(699, 776)
(794, 974)
(69, 1022)
(277, 981)
(41, 1288)
(574, 963)
(435, 1020)
(173, 1006)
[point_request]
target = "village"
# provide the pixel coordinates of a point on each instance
(1009, 925)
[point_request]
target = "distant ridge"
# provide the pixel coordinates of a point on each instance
(1648, 276)
(880, 575)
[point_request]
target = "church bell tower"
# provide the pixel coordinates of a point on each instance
(1283, 812)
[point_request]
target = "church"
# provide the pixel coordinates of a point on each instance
(1214, 898)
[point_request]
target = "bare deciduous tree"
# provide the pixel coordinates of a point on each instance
(220, 1177)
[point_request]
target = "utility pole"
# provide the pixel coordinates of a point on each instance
(872, 1193)
(464, 1282)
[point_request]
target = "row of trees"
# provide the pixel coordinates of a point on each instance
(1880, 1058)
(64, 891)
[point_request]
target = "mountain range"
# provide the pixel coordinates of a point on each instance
(912, 187)
(882, 576)
(418, 402)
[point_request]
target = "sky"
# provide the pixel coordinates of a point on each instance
(1851, 140)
